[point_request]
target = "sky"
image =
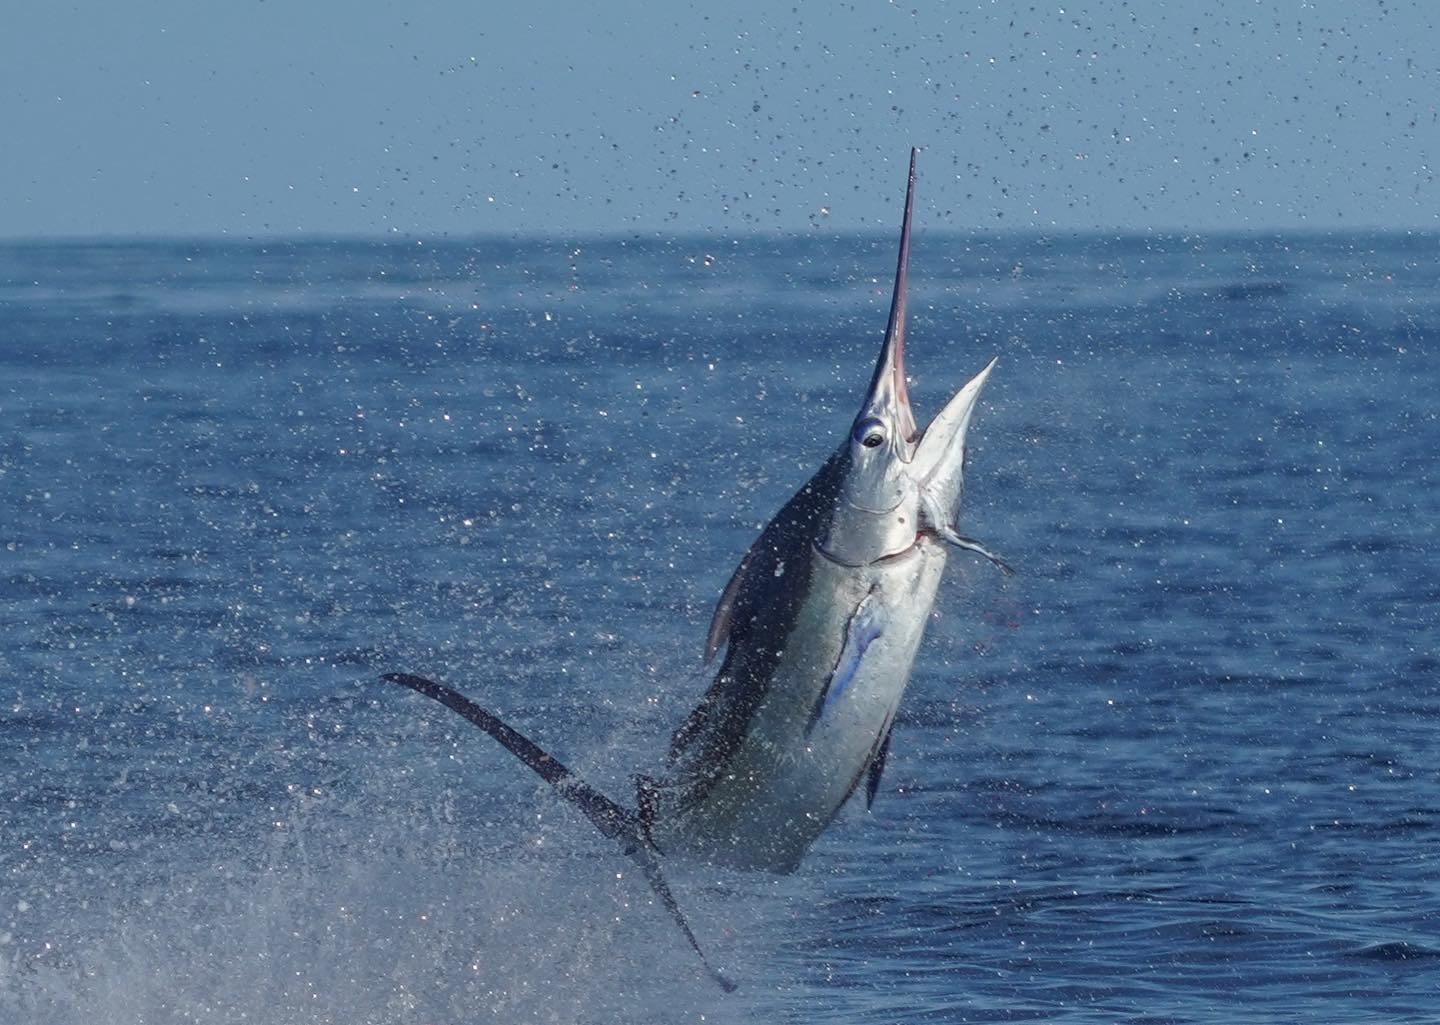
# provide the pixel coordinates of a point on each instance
(308, 118)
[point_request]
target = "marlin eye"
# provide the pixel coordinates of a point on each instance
(870, 432)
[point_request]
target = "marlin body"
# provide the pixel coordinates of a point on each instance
(800, 712)
(820, 624)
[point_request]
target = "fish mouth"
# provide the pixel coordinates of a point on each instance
(925, 539)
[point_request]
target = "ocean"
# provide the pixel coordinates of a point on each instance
(1179, 769)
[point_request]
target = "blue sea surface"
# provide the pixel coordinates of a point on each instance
(1181, 768)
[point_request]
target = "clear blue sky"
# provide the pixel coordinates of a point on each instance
(248, 118)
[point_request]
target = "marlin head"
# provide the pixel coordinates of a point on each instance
(898, 482)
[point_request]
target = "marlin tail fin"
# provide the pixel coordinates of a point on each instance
(619, 824)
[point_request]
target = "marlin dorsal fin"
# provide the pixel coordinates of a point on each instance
(724, 615)
(782, 547)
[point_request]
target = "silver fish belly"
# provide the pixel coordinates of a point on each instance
(792, 769)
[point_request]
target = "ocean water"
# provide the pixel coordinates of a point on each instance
(1180, 768)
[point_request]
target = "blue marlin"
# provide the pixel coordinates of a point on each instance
(820, 624)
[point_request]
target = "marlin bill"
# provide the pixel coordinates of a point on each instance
(819, 626)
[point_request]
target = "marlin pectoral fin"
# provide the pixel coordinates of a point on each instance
(866, 626)
(971, 545)
(934, 518)
(877, 769)
(618, 823)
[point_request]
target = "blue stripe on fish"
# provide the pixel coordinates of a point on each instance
(865, 627)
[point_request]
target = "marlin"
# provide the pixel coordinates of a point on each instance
(820, 624)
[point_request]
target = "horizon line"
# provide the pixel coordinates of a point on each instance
(302, 237)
